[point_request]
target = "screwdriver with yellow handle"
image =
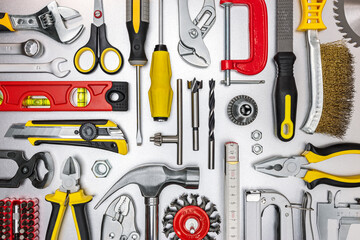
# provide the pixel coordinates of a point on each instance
(137, 23)
(160, 93)
(311, 22)
(298, 166)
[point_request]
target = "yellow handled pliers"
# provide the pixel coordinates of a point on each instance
(69, 193)
(296, 166)
(98, 41)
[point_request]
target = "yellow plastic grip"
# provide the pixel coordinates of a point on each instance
(312, 15)
(102, 60)
(314, 158)
(78, 198)
(77, 59)
(287, 126)
(313, 175)
(122, 144)
(160, 92)
(5, 23)
(57, 199)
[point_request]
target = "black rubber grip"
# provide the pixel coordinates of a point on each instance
(82, 221)
(104, 44)
(118, 96)
(137, 42)
(52, 221)
(324, 151)
(331, 182)
(70, 122)
(92, 44)
(285, 86)
(109, 146)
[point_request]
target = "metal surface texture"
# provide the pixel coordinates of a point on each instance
(347, 15)
(192, 47)
(315, 82)
(284, 27)
(256, 202)
(119, 220)
(211, 182)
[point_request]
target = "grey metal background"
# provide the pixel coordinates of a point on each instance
(212, 184)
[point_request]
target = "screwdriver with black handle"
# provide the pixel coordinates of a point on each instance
(137, 24)
(285, 87)
(160, 93)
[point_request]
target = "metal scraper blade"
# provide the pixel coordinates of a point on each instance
(348, 17)
(21, 131)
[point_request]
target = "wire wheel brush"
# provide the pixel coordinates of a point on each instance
(191, 218)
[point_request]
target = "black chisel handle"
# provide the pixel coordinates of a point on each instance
(285, 96)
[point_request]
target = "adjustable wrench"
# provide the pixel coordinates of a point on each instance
(50, 20)
(52, 67)
(30, 48)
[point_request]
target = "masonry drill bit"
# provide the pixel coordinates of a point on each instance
(211, 124)
(195, 86)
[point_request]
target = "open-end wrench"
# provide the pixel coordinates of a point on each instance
(30, 48)
(52, 67)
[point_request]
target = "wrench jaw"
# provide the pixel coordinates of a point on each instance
(60, 16)
(55, 68)
(50, 21)
(190, 56)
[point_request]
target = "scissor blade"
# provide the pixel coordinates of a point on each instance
(98, 13)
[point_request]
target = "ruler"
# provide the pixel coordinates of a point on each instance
(232, 191)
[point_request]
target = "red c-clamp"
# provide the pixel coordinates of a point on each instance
(258, 34)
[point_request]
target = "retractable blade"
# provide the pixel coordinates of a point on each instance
(102, 134)
(285, 94)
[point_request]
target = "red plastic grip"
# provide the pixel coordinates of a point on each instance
(258, 34)
(57, 92)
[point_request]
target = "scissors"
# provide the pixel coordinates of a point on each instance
(98, 41)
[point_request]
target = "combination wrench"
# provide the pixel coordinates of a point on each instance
(31, 48)
(52, 67)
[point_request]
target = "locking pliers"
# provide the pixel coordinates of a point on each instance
(119, 220)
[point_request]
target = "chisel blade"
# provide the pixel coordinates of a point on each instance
(284, 25)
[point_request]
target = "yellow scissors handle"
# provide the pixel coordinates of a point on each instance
(92, 47)
(97, 41)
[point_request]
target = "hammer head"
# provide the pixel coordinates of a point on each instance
(152, 179)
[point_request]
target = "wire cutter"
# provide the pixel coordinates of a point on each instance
(98, 41)
(191, 46)
(296, 166)
(71, 194)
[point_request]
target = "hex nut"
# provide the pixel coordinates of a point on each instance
(256, 135)
(257, 149)
(101, 168)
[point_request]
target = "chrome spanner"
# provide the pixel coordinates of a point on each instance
(52, 67)
(30, 48)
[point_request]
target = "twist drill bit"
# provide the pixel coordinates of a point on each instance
(195, 86)
(211, 124)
